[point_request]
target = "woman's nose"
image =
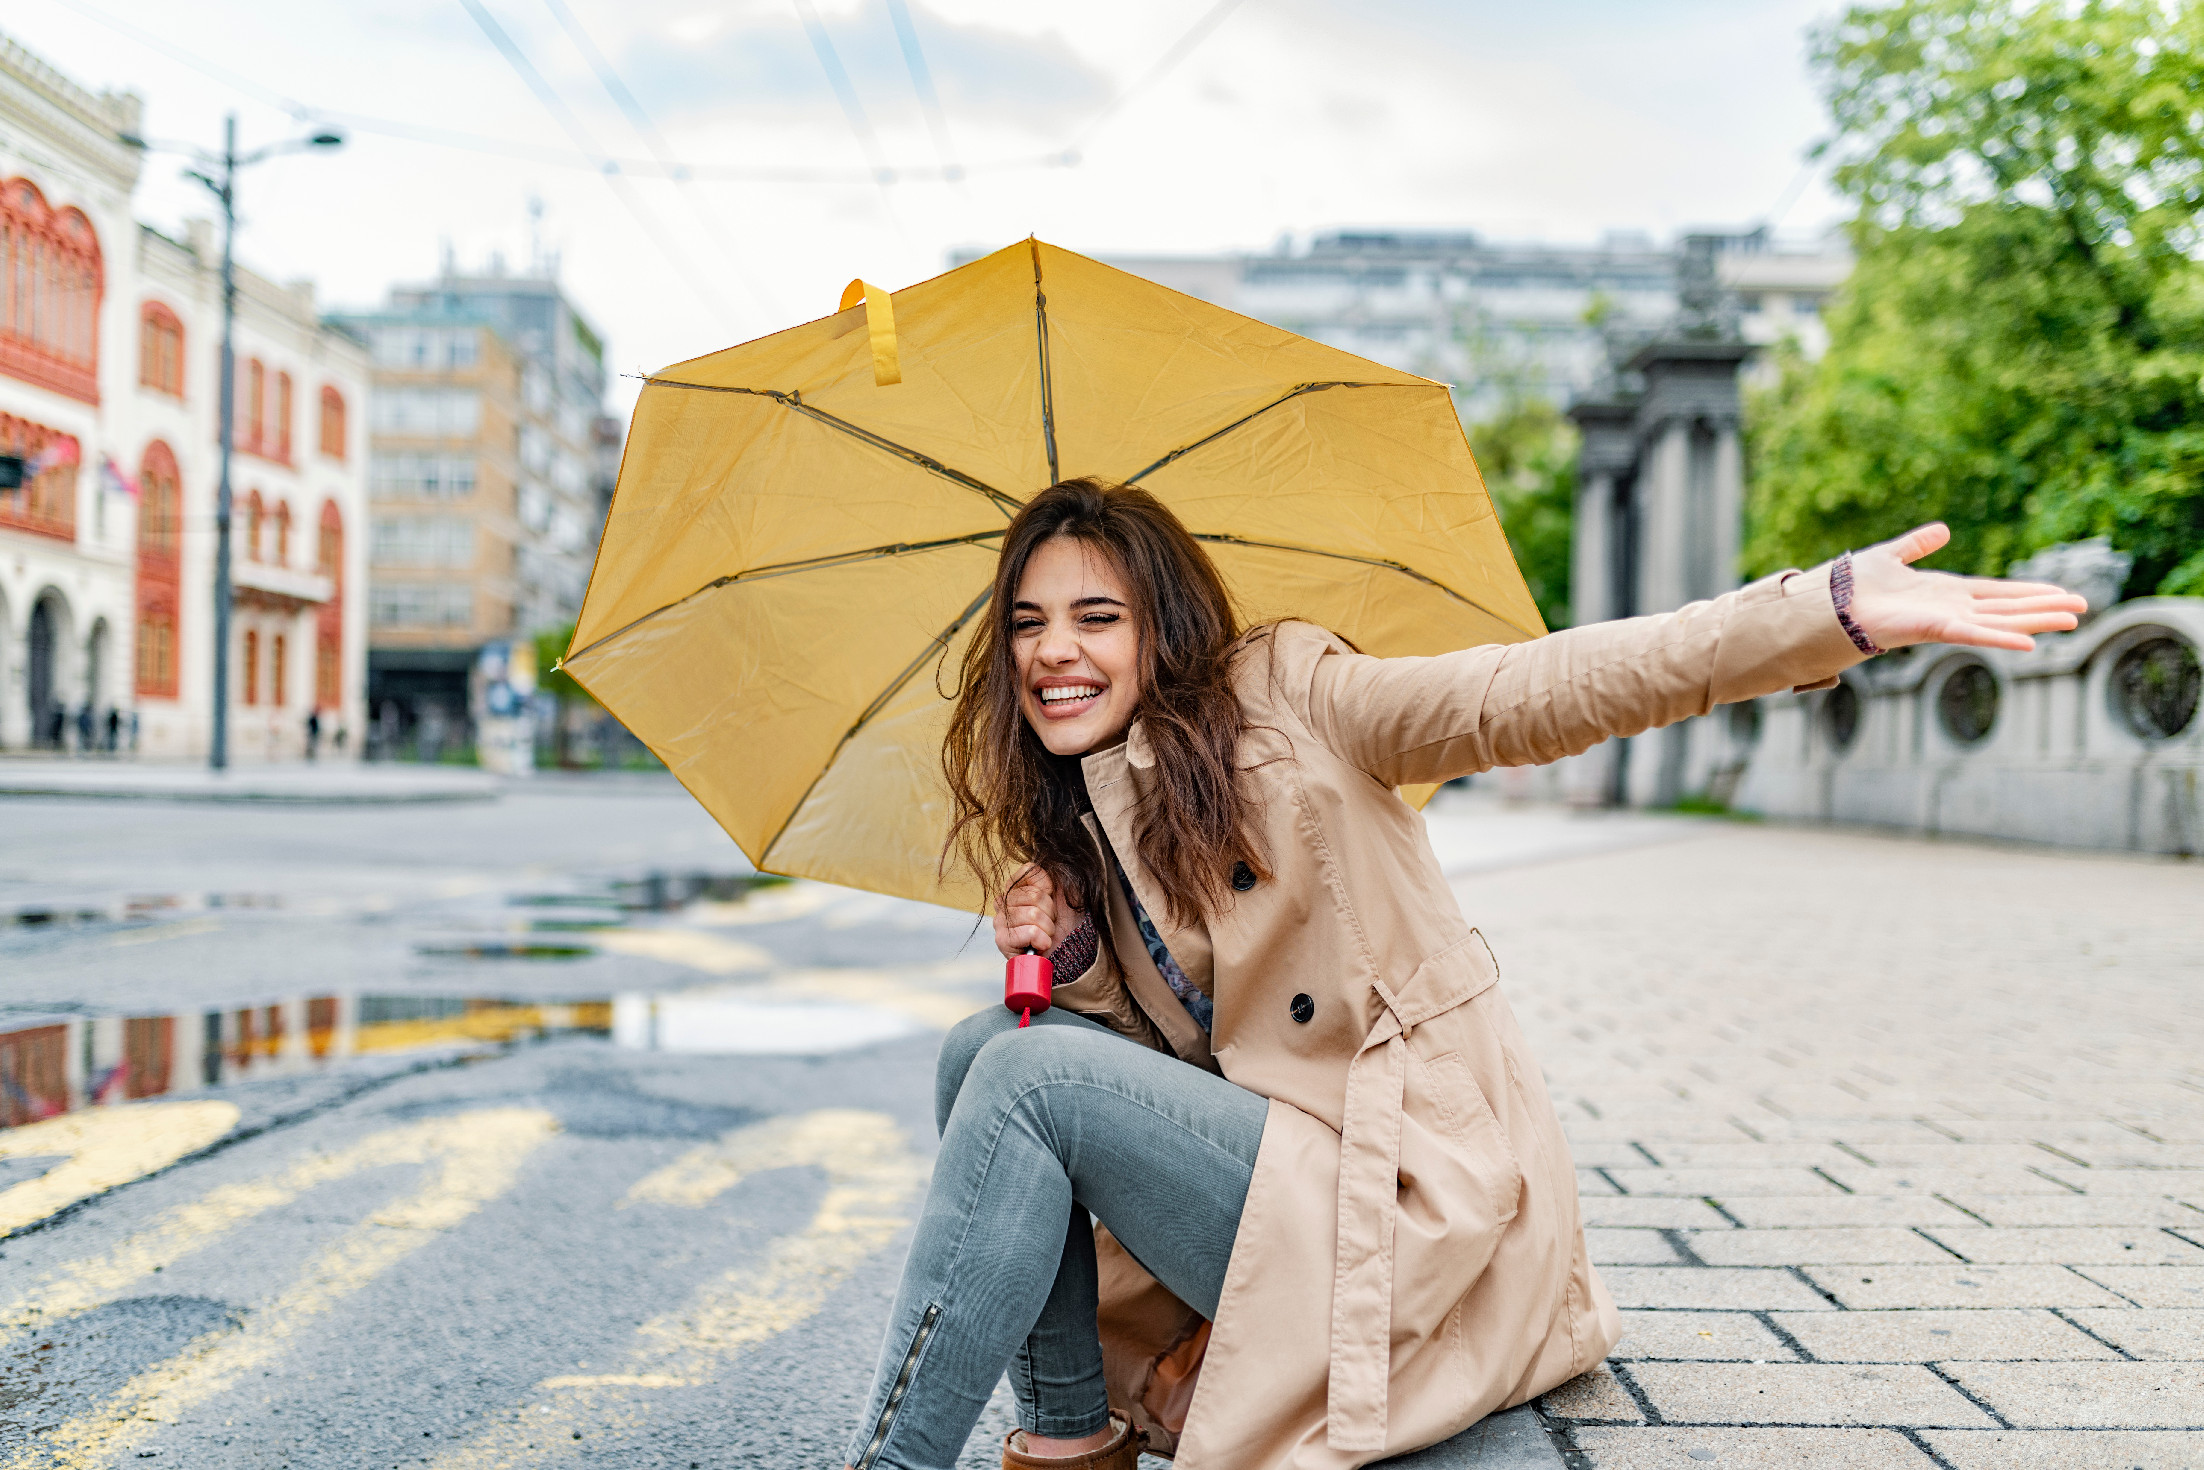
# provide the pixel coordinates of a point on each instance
(1058, 646)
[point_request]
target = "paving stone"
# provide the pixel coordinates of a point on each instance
(1867, 1288)
(2063, 1134)
(1649, 1211)
(1595, 1396)
(2150, 1333)
(2077, 1209)
(1938, 1336)
(1929, 1179)
(2138, 1153)
(1861, 1131)
(2071, 1246)
(1589, 1182)
(2088, 1395)
(1727, 1337)
(1605, 1154)
(1630, 1248)
(1749, 1449)
(2152, 1286)
(1963, 1156)
(1514, 1439)
(1794, 1212)
(1804, 1247)
(1804, 1393)
(2183, 1184)
(2081, 1449)
(1712, 1289)
(1745, 1154)
(1723, 1184)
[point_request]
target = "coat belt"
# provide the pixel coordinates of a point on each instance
(1362, 1268)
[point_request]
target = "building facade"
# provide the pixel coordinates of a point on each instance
(487, 447)
(109, 395)
(1504, 319)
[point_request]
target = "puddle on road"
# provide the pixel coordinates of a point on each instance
(733, 1024)
(54, 1064)
(138, 908)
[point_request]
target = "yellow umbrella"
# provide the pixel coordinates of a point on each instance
(807, 524)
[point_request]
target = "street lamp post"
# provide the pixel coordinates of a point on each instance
(219, 174)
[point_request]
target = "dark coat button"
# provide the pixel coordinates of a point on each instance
(1302, 1008)
(1243, 877)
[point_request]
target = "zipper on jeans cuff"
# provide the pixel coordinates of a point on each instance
(902, 1386)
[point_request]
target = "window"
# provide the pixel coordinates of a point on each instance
(432, 476)
(427, 348)
(428, 412)
(420, 605)
(251, 671)
(277, 647)
(156, 653)
(329, 617)
(283, 533)
(332, 423)
(254, 512)
(422, 541)
(160, 537)
(160, 350)
(50, 285)
(283, 417)
(47, 502)
(256, 405)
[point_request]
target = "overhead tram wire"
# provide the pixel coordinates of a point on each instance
(853, 111)
(550, 156)
(662, 151)
(922, 82)
(619, 183)
(1181, 49)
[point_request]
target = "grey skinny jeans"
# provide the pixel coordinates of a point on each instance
(1038, 1127)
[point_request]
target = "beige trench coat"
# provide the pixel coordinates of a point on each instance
(1410, 1257)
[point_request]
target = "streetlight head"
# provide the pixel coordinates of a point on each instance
(131, 140)
(327, 140)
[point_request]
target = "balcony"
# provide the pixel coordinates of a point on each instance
(277, 588)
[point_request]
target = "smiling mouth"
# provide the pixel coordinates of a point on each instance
(1065, 701)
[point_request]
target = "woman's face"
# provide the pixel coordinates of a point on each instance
(1076, 646)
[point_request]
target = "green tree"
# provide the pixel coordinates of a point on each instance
(1527, 453)
(2020, 349)
(551, 646)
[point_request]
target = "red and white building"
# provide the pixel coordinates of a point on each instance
(110, 354)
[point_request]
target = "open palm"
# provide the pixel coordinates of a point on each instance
(1897, 606)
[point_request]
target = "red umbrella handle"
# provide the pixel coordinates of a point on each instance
(1026, 984)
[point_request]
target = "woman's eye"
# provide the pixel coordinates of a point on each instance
(1099, 620)
(1025, 625)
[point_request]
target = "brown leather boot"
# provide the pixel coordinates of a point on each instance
(1121, 1453)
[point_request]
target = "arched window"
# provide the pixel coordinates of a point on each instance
(255, 512)
(329, 619)
(277, 674)
(251, 670)
(160, 350)
(50, 285)
(283, 417)
(332, 423)
(282, 556)
(160, 528)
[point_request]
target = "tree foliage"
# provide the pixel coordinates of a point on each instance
(1527, 453)
(2020, 349)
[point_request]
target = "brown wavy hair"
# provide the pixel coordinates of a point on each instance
(1015, 803)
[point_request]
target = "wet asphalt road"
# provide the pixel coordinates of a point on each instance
(565, 1251)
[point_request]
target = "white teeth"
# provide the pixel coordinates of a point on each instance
(1058, 696)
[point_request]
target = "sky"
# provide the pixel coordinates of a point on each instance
(484, 127)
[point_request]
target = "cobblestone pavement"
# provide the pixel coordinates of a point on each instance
(1892, 1151)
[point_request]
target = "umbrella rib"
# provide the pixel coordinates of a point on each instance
(1244, 419)
(937, 645)
(1368, 561)
(1048, 387)
(789, 568)
(794, 401)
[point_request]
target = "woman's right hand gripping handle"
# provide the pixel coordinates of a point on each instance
(1032, 915)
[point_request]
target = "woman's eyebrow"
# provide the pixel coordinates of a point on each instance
(1094, 602)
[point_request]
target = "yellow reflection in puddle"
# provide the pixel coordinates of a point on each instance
(102, 1149)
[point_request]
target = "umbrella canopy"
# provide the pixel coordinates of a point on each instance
(807, 525)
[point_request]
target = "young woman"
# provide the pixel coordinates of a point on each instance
(1276, 1182)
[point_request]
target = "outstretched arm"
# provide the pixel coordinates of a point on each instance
(1407, 720)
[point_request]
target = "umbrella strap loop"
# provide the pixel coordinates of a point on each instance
(887, 367)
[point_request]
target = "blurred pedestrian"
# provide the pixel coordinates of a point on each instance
(84, 728)
(313, 732)
(114, 729)
(1278, 1068)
